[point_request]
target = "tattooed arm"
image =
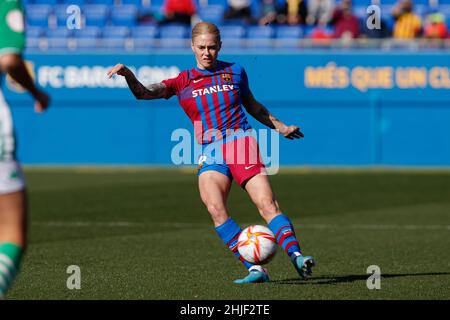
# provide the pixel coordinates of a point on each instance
(260, 113)
(153, 91)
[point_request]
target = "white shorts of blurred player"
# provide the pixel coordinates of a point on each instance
(11, 177)
(11, 174)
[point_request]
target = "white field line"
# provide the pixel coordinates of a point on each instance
(116, 224)
(127, 224)
(376, 227)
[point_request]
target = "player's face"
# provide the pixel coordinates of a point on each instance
(206, 49)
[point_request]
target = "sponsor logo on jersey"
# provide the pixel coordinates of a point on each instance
(212, 89)
(14, 175)
(201, 160)
(15, 21)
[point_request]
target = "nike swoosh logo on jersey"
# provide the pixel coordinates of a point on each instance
(246, 168)
(195, 81)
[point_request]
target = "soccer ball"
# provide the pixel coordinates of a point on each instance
(257, 244)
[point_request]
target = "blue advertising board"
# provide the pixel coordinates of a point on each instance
(355, 108)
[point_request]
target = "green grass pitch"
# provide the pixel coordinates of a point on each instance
(144, 234)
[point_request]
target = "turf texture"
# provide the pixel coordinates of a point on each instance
(141, 233)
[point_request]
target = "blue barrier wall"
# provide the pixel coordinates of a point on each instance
(355, 108)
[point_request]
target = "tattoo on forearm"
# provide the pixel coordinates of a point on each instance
(263, 115)
(153, 91)
(157, 90)
(275, 122)
(260, 113)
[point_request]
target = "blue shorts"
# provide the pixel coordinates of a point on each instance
(236, 158)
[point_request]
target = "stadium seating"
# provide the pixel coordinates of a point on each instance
(88, 38)
(289, 32)
(60, 32)
(360, 11)
(144, 37)
(105, 2)
(144, 32)
(38, 15)
(96, 15)
(212, 13)
(35, 32)
(261, 32)
(116, 32)
(74, 2)
(233, 44)
(287, 37)
(60, 16)
(260, 37)
(174, 37)
(46, 2)
(232, 36)
(172, 43)
(155, 7)
(217, 2)
(59, 44)
(121, 21)
(174, 31)
(136, 3)
(33, 43)
(231, 32)
(124, 15)
(88, 33)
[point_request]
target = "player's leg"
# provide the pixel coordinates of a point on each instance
(260, 191)
(214, 188)
(12, 236)
(12, 203)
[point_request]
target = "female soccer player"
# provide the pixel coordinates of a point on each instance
(212, 95)
(13, 199)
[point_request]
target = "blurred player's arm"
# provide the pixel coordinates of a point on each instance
(260, 113)
(141, 92)
(14, 65)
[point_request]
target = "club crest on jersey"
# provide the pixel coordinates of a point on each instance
(226, 77)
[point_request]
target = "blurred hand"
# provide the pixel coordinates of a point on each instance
(291, 132)
(119, 69)
(42, 101)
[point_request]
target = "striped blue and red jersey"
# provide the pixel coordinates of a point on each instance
(212, 99)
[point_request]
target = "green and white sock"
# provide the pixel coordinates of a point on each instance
(10, 256)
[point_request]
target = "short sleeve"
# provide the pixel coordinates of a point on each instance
(175, 85)
(12, 28)
(243, 85)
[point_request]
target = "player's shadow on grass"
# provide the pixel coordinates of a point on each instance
(351, 278)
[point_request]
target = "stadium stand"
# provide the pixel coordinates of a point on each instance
(260, 37)
(96, 15)
(137, 21)
(124, 15)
